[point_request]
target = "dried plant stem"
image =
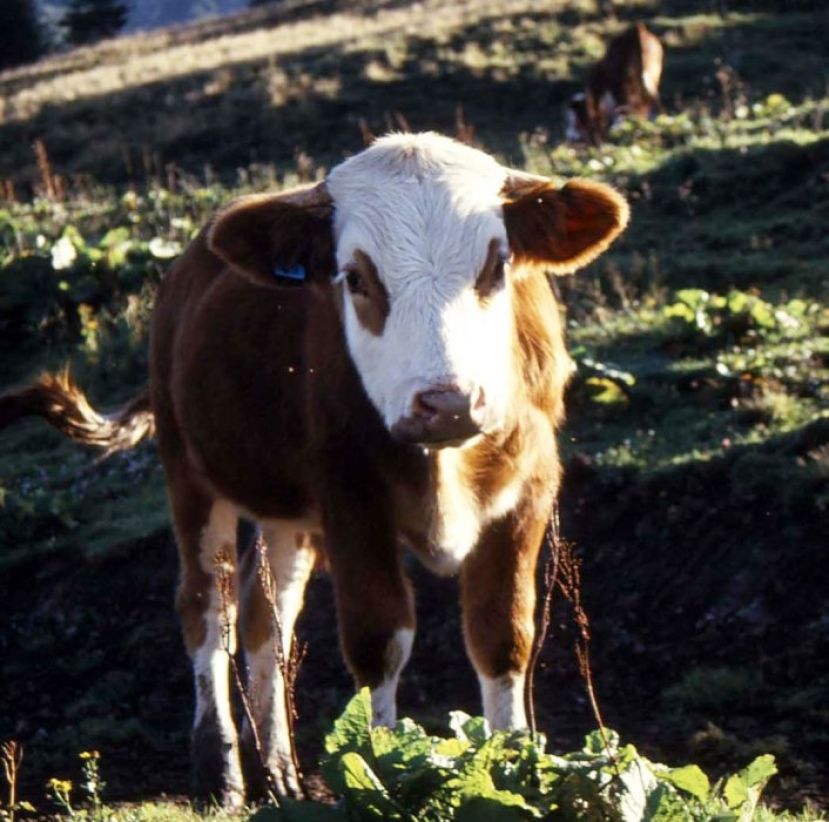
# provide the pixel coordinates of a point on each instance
(11, 755)
(52, 186)
(224, 582)
(464, 131)
(550, 582)
(367, 135)
(288, 667)
(563, 571)
(570, 586)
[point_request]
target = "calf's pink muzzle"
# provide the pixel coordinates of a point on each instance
(442, 416)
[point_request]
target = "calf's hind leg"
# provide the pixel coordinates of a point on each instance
(271, 600)
(206, 604)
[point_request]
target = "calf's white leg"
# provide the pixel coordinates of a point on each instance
(206, 602)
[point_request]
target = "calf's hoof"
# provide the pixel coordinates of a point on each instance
(277, 774)
(217, 774)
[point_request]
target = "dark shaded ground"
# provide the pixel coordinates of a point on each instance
(713, 654)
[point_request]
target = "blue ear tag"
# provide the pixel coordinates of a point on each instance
(295, 273)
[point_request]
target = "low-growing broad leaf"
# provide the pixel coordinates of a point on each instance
(470, 728)
(690, 779)
(478, 794)
(351, 733)
(365, 793)
(638, 786)
(759, 771)
(665, 806)
(601, 741)
(352, 730)
(742, 790)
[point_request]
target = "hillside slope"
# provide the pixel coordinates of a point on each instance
(295, 79)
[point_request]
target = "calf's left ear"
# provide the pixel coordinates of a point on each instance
(276, 239)
(561, 229)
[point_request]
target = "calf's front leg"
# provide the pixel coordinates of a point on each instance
(375, 606)
(498, 597)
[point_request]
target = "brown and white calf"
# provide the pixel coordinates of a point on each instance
(405, 396)
(625, 81)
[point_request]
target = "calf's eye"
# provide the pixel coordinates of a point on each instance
(354, 281)
(492, 275)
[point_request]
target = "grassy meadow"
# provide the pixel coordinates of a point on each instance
(697, 442)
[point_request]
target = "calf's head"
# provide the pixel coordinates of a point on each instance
(425, 239)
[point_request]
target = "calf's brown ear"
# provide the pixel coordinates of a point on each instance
(276, 239)
(561, 229)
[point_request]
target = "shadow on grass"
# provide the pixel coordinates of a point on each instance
(260, 110)
(715, 564)
(712, 565)
(718, 219)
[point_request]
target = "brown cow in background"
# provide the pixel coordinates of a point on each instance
(624, 81)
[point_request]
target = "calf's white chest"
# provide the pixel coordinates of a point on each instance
(443, 525)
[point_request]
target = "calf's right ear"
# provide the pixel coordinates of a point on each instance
(274, 239)
(561, 229)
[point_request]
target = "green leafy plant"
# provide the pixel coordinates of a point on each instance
(734, 314)
(477, 774)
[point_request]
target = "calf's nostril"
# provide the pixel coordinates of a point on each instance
(421, 407)
(478, 400)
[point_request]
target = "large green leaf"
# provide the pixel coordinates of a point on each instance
(409, 761)
(351, 733)
(479, 795)
(758, 772)
(601, 741)
(637, 787)
(665, 806)
(742, 790)
(469, 728)
(364, 792)
(690, 779)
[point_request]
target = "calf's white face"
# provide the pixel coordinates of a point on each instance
(422, 250)
(421, 233)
